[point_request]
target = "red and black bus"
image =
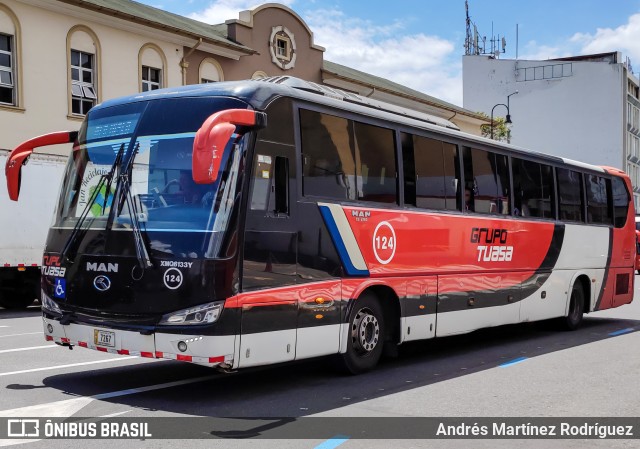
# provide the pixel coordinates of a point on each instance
(246, 223)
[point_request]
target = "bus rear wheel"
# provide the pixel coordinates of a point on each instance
(366, 335)
(576, 308)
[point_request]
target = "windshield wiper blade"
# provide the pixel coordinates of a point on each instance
(76, 235)
(125, 196)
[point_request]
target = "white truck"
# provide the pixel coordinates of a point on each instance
(24, 226)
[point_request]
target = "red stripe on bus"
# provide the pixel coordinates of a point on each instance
(147, 354)
(83, 344)
(328, 290)
(123, 351)
(184, 358)
(101, 349)
(65, 340)
(48, 337)
(216, 359)
(159, 354)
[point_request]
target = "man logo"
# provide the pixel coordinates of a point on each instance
(103, 267)
(102, 283)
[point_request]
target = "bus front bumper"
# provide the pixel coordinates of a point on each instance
(216, 351)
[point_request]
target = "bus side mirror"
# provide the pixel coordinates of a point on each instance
(20, 155)
(213, 137)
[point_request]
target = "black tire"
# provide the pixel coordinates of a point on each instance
(576, 308)
(366, 335)
(16, 300)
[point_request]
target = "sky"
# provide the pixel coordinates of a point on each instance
(420, 43)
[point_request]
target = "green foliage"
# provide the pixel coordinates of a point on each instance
(501, 131)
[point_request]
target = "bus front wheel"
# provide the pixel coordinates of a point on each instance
(576, 308)
(366, 335)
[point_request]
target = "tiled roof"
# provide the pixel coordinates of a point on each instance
(157, 18)
(382, 84)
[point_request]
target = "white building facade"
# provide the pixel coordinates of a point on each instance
(584, 108)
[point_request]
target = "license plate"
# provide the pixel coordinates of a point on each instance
(104, 338)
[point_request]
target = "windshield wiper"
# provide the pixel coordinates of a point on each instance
(71, 246)
(124, 186)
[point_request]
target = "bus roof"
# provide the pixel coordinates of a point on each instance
(260, 93)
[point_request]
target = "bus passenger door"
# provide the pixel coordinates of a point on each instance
(270, 304)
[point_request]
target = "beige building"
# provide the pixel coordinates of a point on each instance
(58, 58)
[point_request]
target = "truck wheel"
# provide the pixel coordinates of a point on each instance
(576, 308)
(16, 300)
(366, 335)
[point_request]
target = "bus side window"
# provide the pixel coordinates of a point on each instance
(620, 202)
(327, 158)
(375, 163)
(598, 208)
(487, 178)
(436, 177)
(571, 201)
(261, 181)
(533, 189)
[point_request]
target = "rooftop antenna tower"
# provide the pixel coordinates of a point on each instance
(476, 45)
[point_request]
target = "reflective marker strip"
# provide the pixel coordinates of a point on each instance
(151, 355)
(621, 331)
(333, 442)
(513, 362)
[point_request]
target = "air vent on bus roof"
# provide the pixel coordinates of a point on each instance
(351, 97)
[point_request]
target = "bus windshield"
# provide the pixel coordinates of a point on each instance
(151, 144)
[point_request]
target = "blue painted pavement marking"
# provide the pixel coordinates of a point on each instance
(622, 331)
(513, 362)
(333, 442)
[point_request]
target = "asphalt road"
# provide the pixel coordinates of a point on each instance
(528, 370)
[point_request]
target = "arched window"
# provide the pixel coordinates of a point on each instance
(210, 71)
(10, 67)
(259, 75)
(152, 67)
(83, 51)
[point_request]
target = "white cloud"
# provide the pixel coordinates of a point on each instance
(429, 64)
(625, 38)
(533, 51)
(220, 11)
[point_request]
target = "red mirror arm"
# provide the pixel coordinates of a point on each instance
(19, 155)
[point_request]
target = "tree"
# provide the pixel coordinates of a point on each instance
(501, 131)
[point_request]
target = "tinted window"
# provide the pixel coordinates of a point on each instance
(486, 178)
(375, 163)
(571, 202)
(431, 173)
(343, 159)
(598, 210)
(620, 202)
(279, 130)
(279, 122)
(533, 189)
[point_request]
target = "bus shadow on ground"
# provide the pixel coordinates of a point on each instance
(307, 387)
(32, 310)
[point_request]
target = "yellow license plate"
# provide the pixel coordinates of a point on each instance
(104, 338)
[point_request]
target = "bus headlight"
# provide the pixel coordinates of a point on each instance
(49, 305)
(202, 314)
